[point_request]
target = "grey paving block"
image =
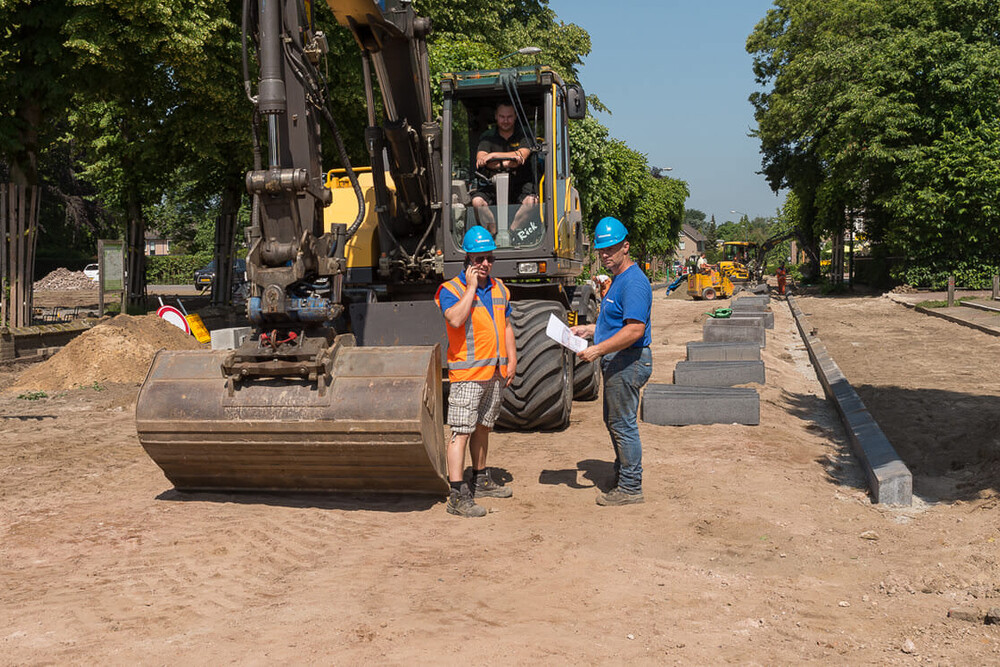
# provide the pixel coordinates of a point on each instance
(229, 339)
(747, 306)
(673, 405)
(723, 331)
(702, 351)
(762, 299)
(718, 373)
(766, 317)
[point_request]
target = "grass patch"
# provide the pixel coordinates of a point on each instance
(943, 303)
(33, 396)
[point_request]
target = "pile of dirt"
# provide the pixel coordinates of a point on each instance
(119, 350)
(64, 279)
(904, 289)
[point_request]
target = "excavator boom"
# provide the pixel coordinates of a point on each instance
(298, 407)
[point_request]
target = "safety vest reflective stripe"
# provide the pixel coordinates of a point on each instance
(478, 363)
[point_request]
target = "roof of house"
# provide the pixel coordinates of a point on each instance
(693, 233)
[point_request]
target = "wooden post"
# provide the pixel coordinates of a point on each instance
(951, 291)
(4, 238)
(996, 287)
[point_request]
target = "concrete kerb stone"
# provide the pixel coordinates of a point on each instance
(673, 405)
(747, 299)
(766, 317)
(889, 480)
(935, 312)
(716, 333)
(718, 373)
(734, 351)
(744, 306)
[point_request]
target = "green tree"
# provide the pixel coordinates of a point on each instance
(857, 93)
(695, 218)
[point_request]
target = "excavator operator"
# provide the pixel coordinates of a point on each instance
(504, 148)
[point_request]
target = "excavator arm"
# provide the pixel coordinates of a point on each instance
(297, 406)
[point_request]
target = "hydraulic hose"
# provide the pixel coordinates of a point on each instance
(247, 86)
(312, 81)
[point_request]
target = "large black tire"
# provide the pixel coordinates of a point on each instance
(541, 396)
(587, 374)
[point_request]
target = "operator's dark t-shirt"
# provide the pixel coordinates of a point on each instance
(490, 141)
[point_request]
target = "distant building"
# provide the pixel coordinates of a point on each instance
(156, 245)
(689, 242)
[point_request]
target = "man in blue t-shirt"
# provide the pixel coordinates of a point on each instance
(621, 341)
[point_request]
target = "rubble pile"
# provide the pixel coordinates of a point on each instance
(64, 279)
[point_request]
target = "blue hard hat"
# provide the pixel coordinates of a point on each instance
(478, 239)
(609, 231)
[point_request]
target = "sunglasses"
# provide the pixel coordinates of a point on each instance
(484, 258)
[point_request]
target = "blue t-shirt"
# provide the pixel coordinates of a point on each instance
(629, 298)
(448, 299)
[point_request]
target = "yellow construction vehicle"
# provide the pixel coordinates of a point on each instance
(736, 257)
(710, 284)
(339, 387)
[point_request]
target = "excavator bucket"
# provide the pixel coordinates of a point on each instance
(378, 426)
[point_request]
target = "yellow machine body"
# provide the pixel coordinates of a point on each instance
(708, 286)
(363, 248)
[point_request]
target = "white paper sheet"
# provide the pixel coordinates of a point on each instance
(557, 330)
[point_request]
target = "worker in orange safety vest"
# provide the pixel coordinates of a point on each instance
(482, 360)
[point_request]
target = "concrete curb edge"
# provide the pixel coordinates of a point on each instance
(889, 480)
(944, 316)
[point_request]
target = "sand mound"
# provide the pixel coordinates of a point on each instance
(119, 350)
(64, 279)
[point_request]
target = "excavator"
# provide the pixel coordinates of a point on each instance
(339, 386)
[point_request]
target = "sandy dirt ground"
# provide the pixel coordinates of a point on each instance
(756, 545)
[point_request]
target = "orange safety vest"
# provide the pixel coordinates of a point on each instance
(476, 349)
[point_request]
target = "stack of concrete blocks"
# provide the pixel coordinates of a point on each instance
(703, 391)
(229, 339)
(755, 307)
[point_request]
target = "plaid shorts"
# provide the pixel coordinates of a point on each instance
(471, 403)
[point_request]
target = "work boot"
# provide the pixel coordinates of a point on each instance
(460, 503)
(485, 487)
(616, 497)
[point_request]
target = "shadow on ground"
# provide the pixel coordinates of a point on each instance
(397, 502)
(949, 440)
(599, 474)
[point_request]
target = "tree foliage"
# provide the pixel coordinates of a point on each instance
(140, 107)
(869, 106)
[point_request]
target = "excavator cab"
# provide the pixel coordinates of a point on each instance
(532, 209)
(499, 196)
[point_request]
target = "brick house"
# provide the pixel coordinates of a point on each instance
(156, 245)
(689, 242)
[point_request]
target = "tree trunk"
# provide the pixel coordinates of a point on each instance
(18, 239)
(837, 260)
(135, 284)
(225, 236)
(19, 203)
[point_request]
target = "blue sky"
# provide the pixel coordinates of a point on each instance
(676, 77)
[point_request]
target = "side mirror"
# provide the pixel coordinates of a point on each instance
(576, 102)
